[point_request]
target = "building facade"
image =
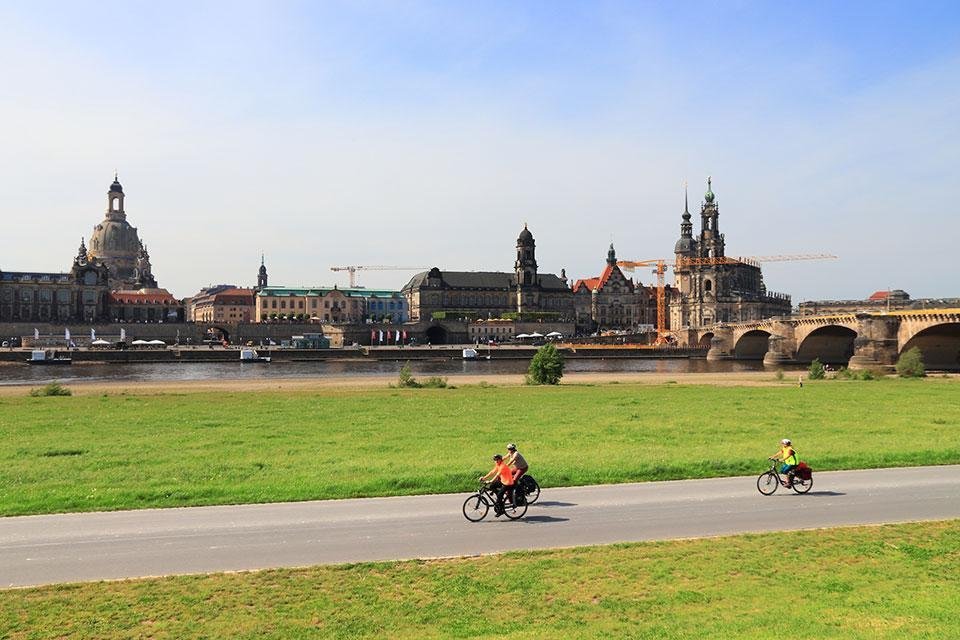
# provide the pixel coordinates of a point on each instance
(613, 301)
(491, 294)
(710, 287)
(80, 295)
(329, 305)
(227, 304)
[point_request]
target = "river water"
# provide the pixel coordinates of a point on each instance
(16, 373)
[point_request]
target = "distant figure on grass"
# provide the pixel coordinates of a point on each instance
(502, 482)
(788, 459)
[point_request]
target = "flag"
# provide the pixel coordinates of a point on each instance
(93, 334)
(373, 335)
(404, 335)
(66, 334)
(36, 334)
(381, 335)
(123, 335)
(397, 339)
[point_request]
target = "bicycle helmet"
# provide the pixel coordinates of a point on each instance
(511, 447)
(786, 441)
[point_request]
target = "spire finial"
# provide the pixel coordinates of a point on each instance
(261, 260)
(116, 177)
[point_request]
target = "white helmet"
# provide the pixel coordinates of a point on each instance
(511, 447)
(785, 441)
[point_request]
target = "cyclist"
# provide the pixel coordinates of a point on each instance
(517, 461)
(788, 459)
(502, 482)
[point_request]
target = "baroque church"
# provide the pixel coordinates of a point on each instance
(112, 280)
(710, 287)
(524, 293)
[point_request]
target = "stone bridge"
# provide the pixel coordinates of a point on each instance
(855, 340)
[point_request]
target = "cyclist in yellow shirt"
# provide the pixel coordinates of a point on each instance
(788, 459)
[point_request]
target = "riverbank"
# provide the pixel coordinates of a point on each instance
(303, 384)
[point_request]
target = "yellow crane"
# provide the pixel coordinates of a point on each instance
(660, 268)
(353, 268)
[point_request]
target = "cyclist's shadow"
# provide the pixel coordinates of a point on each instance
(542, 519)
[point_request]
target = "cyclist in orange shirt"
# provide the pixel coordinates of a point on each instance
(502, 483)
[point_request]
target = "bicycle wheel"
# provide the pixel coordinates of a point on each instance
(475, 508)
(802, 486)
(517, 509)
(767, 483)
(530, 489)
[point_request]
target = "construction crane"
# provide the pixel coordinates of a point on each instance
(352, 270)
(660, 267)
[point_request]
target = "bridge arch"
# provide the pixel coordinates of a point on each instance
(939, 344)
(752, 345)
(831, 344)
(705, 340)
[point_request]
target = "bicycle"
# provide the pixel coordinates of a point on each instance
(530, 487)
(476, 507)
(768, 481)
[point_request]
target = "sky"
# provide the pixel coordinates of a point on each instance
(422, 134)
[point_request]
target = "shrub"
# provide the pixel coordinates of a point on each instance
(910, 364)
(406, 378)
(816, 370)
(779, 374)
(434, 382)
(51, 389)
(546, 367)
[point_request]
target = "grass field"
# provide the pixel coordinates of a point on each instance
(86, 453)
(871, 582)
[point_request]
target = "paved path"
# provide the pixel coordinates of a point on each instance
(152, 542)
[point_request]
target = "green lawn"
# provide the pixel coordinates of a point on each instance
(86, 453)
(896, 581)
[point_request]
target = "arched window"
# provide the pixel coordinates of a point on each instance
(708, 285)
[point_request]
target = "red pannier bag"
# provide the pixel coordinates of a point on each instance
(804, 472)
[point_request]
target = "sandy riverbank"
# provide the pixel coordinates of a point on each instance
(300, 384)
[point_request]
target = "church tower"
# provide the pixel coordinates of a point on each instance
(262, 275)
(525, 269)
(711, 240)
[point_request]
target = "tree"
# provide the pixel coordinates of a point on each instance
(816, 370)
(910, 364)
(546, 367)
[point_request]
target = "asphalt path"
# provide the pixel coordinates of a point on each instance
(51, 549)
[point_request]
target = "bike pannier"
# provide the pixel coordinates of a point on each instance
(804, 472)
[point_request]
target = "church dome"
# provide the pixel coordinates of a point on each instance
(525, 236)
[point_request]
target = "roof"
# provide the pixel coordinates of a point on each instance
(598, 282)
(879, 295)
(11, 276)
(498, 280)
(322, 291)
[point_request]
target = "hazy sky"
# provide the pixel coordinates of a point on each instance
(421, 134)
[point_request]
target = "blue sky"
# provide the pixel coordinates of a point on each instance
(416, 133)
